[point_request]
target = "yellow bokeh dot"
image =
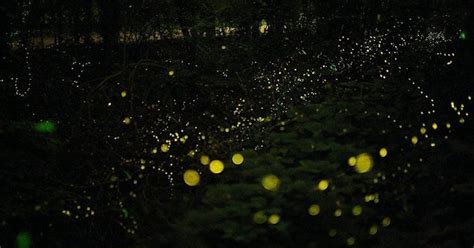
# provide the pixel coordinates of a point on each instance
(357, 210)
(170, 73)
(274, 219)
(323, 185)
(386, 221)
(434, 126)
(165, 147)
(414, 140)
(205, 160)
(127, 120)
(364, 163)
(123, 93)
(373, 230)
(383, 152)
(448, 125)
(369, 198)
(422, 130)
(350, 241)
(191, 177)
(237, 159)
(352, 161)
(216, 166)
(314, 210)
(271, 182)
(263, 26)
(260, 217)
(338, 212)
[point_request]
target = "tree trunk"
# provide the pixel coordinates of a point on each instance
(109, 27)
(109, 22)
(87, 24)
(183, 8)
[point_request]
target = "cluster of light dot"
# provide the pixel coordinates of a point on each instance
(284, 82)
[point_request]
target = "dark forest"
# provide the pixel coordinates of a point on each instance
(236, 123)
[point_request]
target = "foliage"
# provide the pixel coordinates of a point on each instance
(313, 143)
